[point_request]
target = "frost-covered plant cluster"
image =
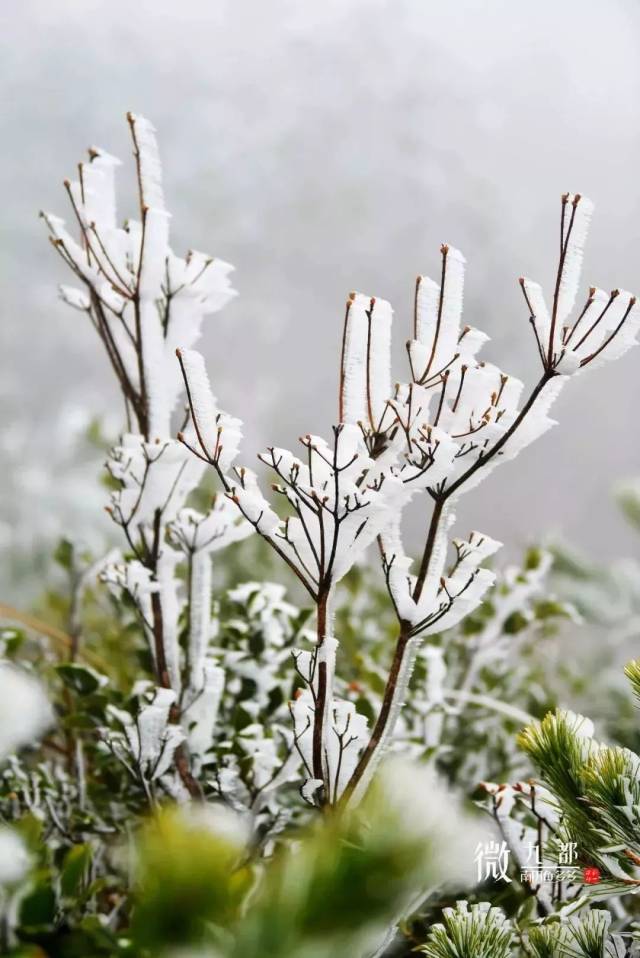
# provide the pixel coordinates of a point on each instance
(222, 769)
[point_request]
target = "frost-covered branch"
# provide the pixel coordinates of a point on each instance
(455, 420)
(143, 300)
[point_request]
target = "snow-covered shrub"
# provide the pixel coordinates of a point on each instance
(434, 438)
(232, 707)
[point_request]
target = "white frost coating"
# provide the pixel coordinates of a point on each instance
(198, 536)
(397, 701)
(155, 477)
(200, 716)
(354, 359)
(379, 361)
(147, 743)
(539, 310)
(438, 314)
(610, 325)
(104, 188)
(135, 264)
(77, 298)
(218, 433)
(434, 688)
(168, 592)
(137, 581)
(152, 270)
(426, 310)
(253, 505)
(14, 857)
(153, 264)
(357, 496)
(345, 737)
(203, 404)
(578, 212)
(25, 712)
(444, 599)
(537, 422)
(148, 157)
(199, 614)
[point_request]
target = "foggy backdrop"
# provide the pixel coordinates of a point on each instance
(323, 147)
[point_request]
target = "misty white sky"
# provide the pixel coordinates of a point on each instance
(323, 147)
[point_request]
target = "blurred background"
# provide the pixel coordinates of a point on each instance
(321, 147)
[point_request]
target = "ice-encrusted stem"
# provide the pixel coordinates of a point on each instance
(404, 658)
(324, 667)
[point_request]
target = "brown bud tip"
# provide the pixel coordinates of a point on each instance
(565, 197)
(521, 280)
(129, 116)
(614, 293)
(443, 581)
(179, 353)
(180, 437)
(632, 301)
(351, 297)
(444, 249)
(66, 183)
(592, 291)
(576, 199)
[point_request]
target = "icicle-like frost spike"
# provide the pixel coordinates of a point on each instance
(365, 380)
(379, 360)
(438, 311)
(353, 374)
(578, 211)
(148, 159)
(218, 434)
(200, 714)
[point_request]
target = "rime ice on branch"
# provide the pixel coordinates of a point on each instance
(143, 300)
(440, 433)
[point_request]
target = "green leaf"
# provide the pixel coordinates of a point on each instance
(81, 678)
(551, 608)
(10, 640)
(75, 869)
(515, 623)
(63, 554)
(38, 907)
